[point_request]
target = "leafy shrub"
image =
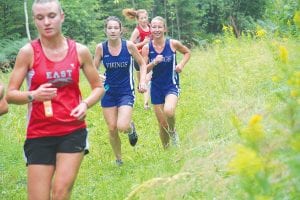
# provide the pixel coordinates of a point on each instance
(9, 51)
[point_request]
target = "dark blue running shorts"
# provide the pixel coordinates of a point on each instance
(158, 94)
(115, 99)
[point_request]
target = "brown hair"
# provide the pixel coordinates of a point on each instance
(131, 13)
(112, 18)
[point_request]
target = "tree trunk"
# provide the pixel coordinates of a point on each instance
(165, 8)
(133, 3)
(235, 27)
(26, 20)
(178, 22)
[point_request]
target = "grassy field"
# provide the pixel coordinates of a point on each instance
(234, 79)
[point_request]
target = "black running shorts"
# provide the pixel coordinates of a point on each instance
(43, 150)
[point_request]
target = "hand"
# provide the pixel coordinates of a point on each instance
(45, 92)
(178, 68)
(80, 111)
(146, 40)
(102, 77)
(158, 59)
(142, 87)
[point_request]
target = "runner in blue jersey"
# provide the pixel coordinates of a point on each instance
(117, 57)
(160, 54)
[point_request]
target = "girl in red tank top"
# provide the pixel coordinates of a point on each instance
(141, 35)
(56, 132)
(64, 76)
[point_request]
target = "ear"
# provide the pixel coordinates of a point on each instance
(62, 15)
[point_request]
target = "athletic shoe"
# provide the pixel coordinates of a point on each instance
(133, 137)
(174, 138)
(119, 162)
(146, 106)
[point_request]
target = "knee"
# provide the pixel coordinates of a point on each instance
(113, 133)
(163, 124)
(112, 129)
(61, 192)
(123, 127)
(169, 111)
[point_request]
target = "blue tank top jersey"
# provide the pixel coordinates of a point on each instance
(118, 70)
(164, 74)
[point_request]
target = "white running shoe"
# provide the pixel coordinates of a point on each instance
(119, 162)
(174, 138)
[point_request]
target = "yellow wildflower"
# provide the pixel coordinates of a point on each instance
(246, 162)
(283, 54)
(260, 32)
(295, 142)
(255, 119)
(263, 197)
(227, 30)
(236, 122)
(294, 80)
(254, 131)
(274, 43)
(285, 39)
(224, 28)
(217, 41)
(275, 79)
(297, 78)
(297, 18)
(231, 29)
(294, 93)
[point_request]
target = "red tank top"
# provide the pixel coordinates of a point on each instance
(64, 75)
(142, 34)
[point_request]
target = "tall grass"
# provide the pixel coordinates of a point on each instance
(232, 79)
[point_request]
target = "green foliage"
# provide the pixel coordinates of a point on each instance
(9, 50)
(12, 19)
(189, 21)
(288, 116)
(276, 147)
(240, 14)
(279, 16)
(183, 17)
(81, 24)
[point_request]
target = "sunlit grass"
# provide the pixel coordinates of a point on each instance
(234, 78)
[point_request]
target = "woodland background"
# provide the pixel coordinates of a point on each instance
(194, 22)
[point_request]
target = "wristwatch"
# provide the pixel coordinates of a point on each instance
(30, 98)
